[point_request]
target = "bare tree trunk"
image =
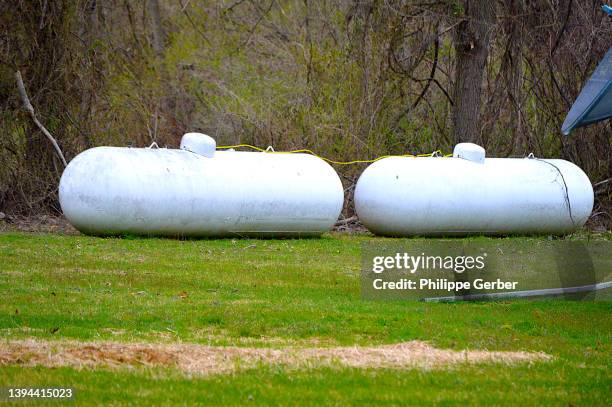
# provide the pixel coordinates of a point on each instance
(88, 32)
(164, 115)
(471, 41)
(512, 67)
(159, 36)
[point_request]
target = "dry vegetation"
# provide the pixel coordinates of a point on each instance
(347, 79)
(207, 360)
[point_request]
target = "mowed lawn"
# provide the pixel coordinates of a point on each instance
(276, 293)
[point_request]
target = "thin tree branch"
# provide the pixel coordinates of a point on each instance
(552, 53)
(432, 75)
(346, 221)
(30, 109)
(601, 183)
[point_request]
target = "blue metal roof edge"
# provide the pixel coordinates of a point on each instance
(567, 129)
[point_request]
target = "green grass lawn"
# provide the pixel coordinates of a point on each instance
(274, 293)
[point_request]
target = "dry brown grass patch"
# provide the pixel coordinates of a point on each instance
(206, 360)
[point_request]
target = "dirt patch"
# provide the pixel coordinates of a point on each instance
(599, 222)
(37, 224)
(207, 360)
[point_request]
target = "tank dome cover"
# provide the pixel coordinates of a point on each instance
(470, 152)
(199, 143)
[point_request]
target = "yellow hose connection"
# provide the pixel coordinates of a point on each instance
(436, 153)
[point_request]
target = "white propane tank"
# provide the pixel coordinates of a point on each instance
(197, 191)
(468, 194)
